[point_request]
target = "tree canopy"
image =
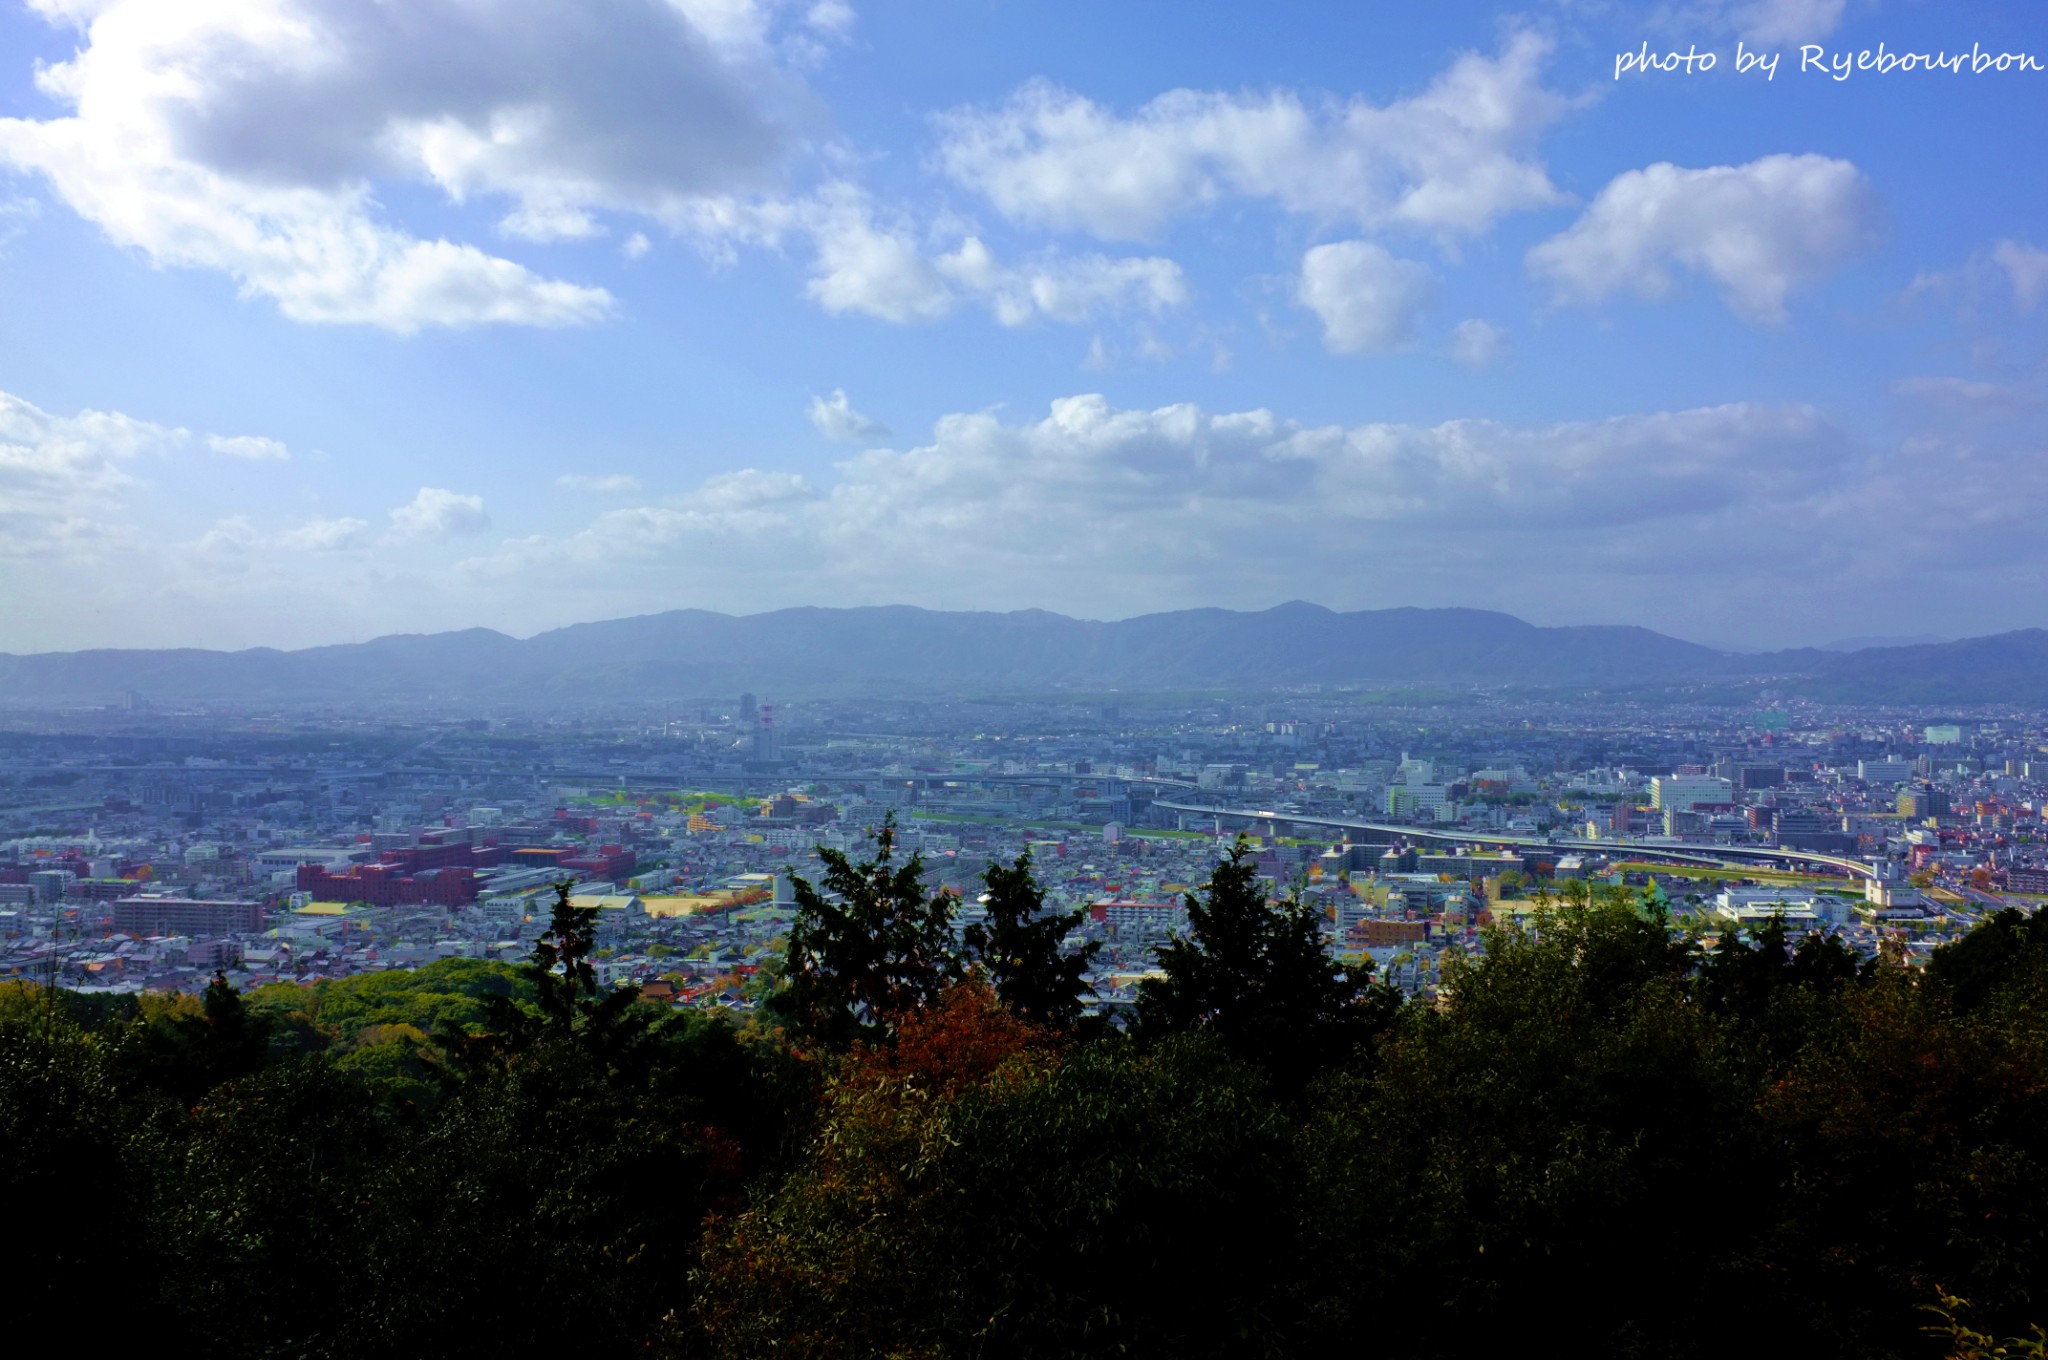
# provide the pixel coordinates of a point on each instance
(871, 943)
(1254, 972)
(1597, 1130)
(1021, 948)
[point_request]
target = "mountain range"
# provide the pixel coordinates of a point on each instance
(695, 654)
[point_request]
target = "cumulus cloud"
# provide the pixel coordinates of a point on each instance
(1124, 508)
(1064, 288)
(439, 513)
(1477, 343)
(607, 484)
(1758, 231)
(1451, 159)
(2026, 268)
(249, 136)
(1097, 509)
(1368, 301)
(60, 476)
(874, 267)
(253, 447)
(835, 418)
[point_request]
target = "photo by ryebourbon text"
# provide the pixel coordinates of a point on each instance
(1813, 60)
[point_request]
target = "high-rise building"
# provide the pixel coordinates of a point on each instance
(1682, 792)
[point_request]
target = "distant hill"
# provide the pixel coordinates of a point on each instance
(903, 650)
(2005, 668)
(1864, 644)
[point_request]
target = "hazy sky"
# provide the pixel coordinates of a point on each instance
(321, 319)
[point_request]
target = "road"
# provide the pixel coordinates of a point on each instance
(1717, 855)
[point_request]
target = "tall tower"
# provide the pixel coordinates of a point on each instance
(749, 712)
(764, 734)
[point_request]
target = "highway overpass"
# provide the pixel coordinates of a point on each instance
(1686, 854)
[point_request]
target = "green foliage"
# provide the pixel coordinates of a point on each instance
(65, 1123)
(1254, 973)
(1124, 1201)
(2006, 946)
(561, 960)
(874, 945)
(1558, 1121)
(183, 1047)
(438, 995)
(1963, 1342)
(1020, 948)
(256, 1192)
(1597, 1133)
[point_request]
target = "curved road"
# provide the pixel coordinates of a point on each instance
(1717, 854)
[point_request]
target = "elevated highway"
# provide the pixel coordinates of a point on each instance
(1716, 855)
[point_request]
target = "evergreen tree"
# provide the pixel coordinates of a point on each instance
(1974, 968)
(1254, 972)
(870, 944)
(561, 959)
(1020, 948)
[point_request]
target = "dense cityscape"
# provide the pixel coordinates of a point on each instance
(148, 850)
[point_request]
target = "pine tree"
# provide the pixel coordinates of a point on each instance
(870, 943)
(1020, 948)
(1255, 973)
(561, 960)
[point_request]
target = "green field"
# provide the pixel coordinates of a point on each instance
(1701, 871)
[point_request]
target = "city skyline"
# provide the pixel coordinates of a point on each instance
(316, 325)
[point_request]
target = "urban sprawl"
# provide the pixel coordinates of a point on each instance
(147, 850)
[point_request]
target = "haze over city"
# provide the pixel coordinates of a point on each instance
(321, 321)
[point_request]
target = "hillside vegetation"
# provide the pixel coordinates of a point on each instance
(1601, 1138)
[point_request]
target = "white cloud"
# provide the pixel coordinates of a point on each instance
(873, 269)
(879, 268)
(1368, 301)
(61, 476)
(253, 447)
(1451, 159)
(439, 513)
(2026, 268)
(636, 246)
(835, 418)
(1777, 22)
(1478, 343)
(326, 535)
(239, 536)
(1108, 509)
(611, 484)
(1758, 230)
(1064, 288)
(1093, 509)
(834, 18)
(250, 137)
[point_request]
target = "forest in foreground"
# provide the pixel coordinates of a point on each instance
(1601, 1135)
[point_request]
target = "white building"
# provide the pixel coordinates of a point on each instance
(1890, 770)
(1753, 906)
(1683, 792)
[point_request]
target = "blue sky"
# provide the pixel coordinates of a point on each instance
(322, 319)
